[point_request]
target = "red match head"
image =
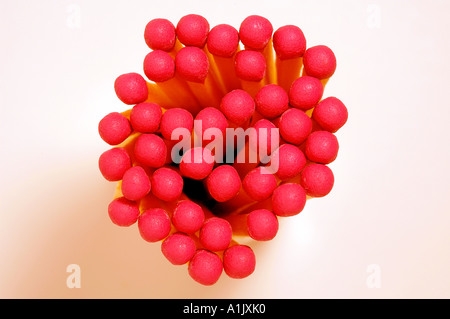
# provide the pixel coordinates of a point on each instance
(192, 64)
(159, 66)
(321, 147)
(114, 128)
(239, 261)
(288, 200)
(135, 183)
(287, 161)
(197, 163)
(259, 183)
(223, 183)
(150, 150)
(319, 62)
(205, 267)
(160, 34)
(250, 65)
(188, 217)
(215, 234)
(192, 30)
(265, 138)
(178, 248)
(289, 42)
(131, 88)
(167, 184)
(317, 180)
(295, 126)
(238, 106)
(331, 114)
(154, 224)
(262, 225)
(210, 117)
(123, 212)
(114, 163)
(305, 92)
(271, 101)
(146, 117)
(255, 32)
(223, 40)
(173, 119)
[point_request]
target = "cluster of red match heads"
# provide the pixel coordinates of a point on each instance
(151, 185)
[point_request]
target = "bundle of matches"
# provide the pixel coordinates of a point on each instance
(229, 133)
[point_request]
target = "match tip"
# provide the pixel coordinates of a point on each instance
(178, 248)
(331, 114)
(135, 183)
(223, 40)
(271, 101)
(192, 64)
(288, 161)
(250, 65)
(259, 183)
(295, 126)
(317, 180)
(210, 117)
(150, 150)
(262, 225)
(188, 217)
(305, 92)
(160, 34)
(159, 66)
(167, 184)
(176, 118)
(255, 32)
(114, 128)
(288, 200)
(223, 183)
(146, 117)
(319, 61)
(114, 163)
(239, 261)
(197, 163)
(289, 42)
(154, 224)
(131, 88)
(216, 234)
(205, 267)
(321, 147)
(192, 30)
(123, 212)
(238, 106)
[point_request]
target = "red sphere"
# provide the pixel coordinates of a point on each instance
(289, 42)
(265, 137)
(287, 161)
(159, 66)
(295, 126)
(173, 119)
(192, 64)
(223, 40)
(215, 234)
(154, 225)
(160, 34)
(192, 30)
(239, 261)
(131, 88)
(135, 183)
(259, 183)
(305, 92)
(331, 114)
(146, 117)
(167, 184)
(205, 267)
(114, 128)
(288, 200)
(317, 180)
(197, 163)
(210, 117)
(150, 150)
(262, 225)
(238, 106)
(320, 62)
(114, 163)
(223, 183)
(271, 101)
(255, 32)
(188, 217)
(123, 212)
(178, 248)
(321, 147)
(250, 65)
